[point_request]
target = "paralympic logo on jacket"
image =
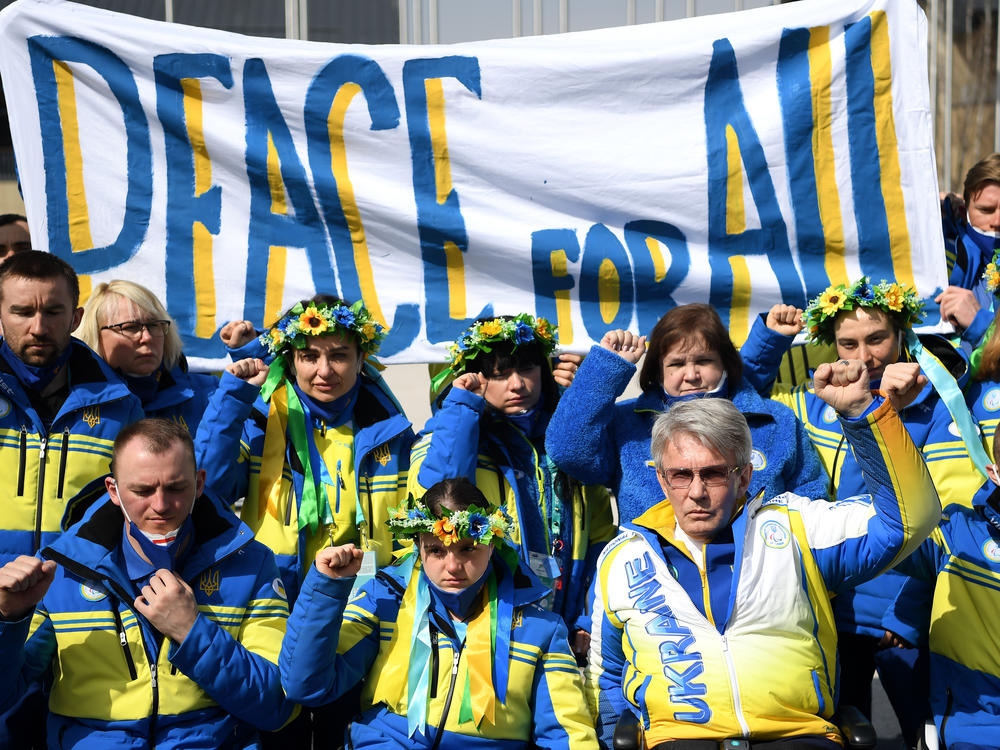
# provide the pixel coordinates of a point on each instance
(680, 666)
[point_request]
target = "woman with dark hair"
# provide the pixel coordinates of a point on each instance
(462, 598)
(690, 356)
(490, 428)
(312, 441)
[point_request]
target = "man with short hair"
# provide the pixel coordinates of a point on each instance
(14, 237)
(712, 616)
(160, 613)
(61, 407)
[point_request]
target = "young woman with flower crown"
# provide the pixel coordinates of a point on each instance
(453, 651)
(313, 441)
(490, 427)
(873, 323)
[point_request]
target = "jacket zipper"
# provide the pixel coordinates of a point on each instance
(434, 664)
(340, 483)
(22, 459)
(62, 462)
(44, 440)
(457, 651)
(120, 627)
(156, 702)
(737, 706)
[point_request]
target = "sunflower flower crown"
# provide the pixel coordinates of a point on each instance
(485, 526)
(483, 335)
(318, 319)
(899, 302)
(992, 273)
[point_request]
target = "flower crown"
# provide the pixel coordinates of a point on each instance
(483, 334)
(899, 302)
(992, 273)
(487, 525)
(319, 319)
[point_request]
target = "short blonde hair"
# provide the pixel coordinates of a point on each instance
(105, 295)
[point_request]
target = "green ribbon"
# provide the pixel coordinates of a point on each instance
(311, 500)
(949, 392)
(976, 358)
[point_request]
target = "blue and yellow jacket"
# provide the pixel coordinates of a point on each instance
(511, 469)
(599, 441)
(759, 662)
(930, 426)
(332, 644)
(44, 468)
(983, 399)
(182, 396)
(116, 680)
(368, 466)
(958, 569)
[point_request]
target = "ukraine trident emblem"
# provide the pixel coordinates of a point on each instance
(209, 582)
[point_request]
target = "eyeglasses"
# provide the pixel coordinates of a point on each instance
(711, 476)
(132, 329)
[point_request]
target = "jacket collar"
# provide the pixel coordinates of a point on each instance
(745, 398)
(91, 547)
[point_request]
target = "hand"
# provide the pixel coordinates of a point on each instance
(902, 383)
(625, 344)
(580, 644)
(23, 583)
(339, 562)
(844, 386)
(785, 319)
(564, 372)
(892, 640)
(958, 306)
(236, 333)
(957, 203)
(168, 603)
(472, 382)
(253, 371)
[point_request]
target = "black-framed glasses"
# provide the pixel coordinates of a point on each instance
(133, 328)
(711, 476)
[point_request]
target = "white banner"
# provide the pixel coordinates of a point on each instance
(594, 178)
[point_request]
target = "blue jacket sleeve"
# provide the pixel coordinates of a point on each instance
(853, 541)
(454, 439)
(316, 667)
(762, 353)
(23, 657)
(909, 615)
(221, 433)
(580, 438)
(977, 328)
(252, 349)
(240, 680)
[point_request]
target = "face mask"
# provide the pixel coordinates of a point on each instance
(161, 549)
(460, 602)
(986, 240)
(720, 391)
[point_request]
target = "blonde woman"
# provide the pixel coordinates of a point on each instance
(128, 326)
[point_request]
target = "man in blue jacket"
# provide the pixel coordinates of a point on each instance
(61, 407)
(161, 616)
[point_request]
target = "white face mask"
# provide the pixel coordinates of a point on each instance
(984, 232)
(161, 540)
